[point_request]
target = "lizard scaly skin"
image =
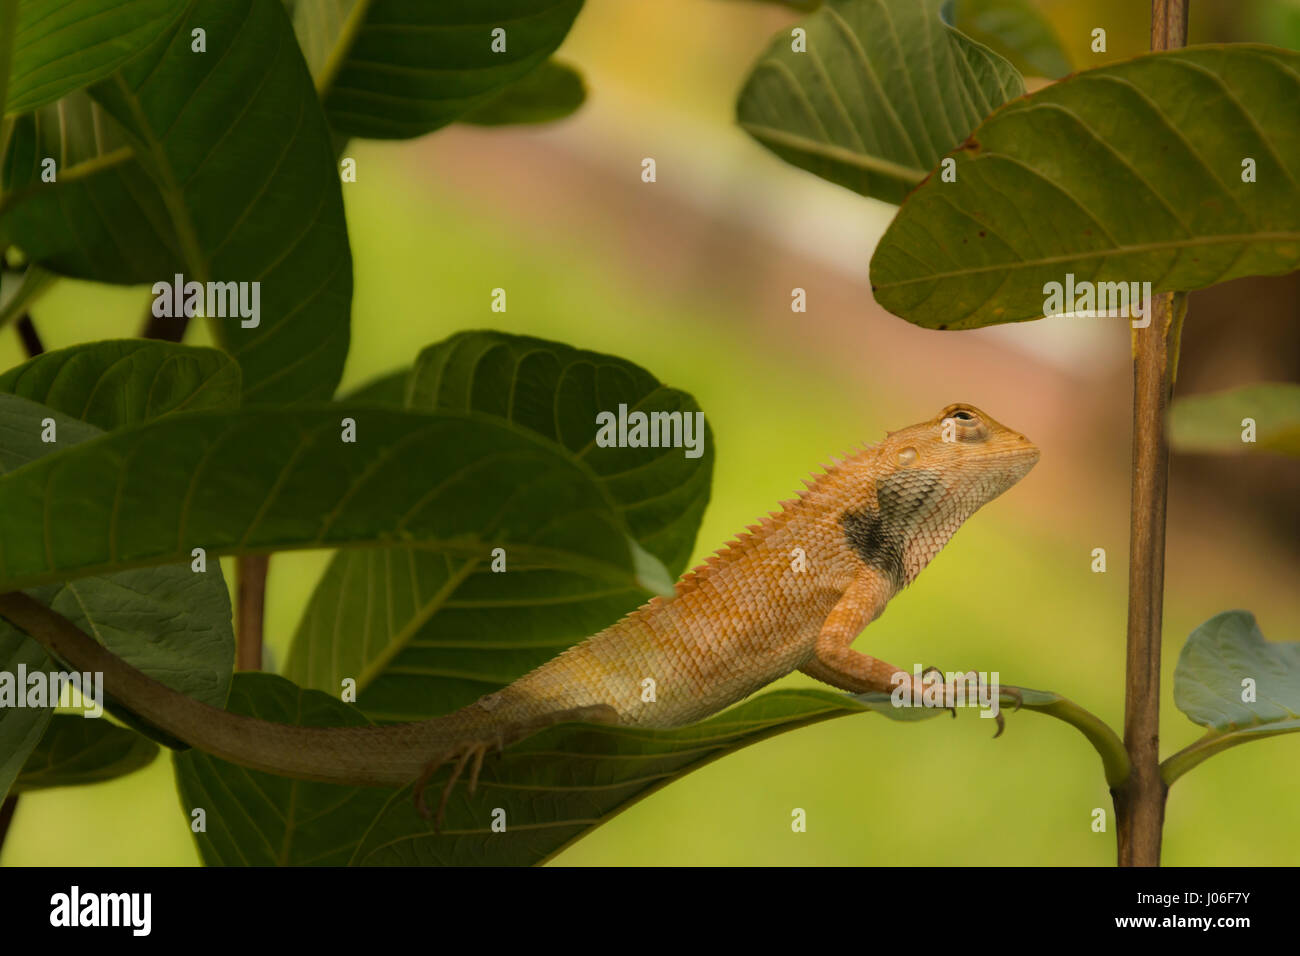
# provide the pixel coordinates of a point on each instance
(790, 594)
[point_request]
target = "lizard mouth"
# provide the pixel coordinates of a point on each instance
(1028, 453)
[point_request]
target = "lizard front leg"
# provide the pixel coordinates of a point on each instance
(833, 660)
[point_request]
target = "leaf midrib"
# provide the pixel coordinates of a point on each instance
(1175, 244)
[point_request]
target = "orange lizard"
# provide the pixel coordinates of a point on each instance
(790, 594)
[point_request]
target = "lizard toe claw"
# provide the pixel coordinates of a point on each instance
(934, 670)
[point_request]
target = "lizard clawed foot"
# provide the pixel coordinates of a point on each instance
(478, 748)
(1014, 694)
(973, 679)
(935, 670)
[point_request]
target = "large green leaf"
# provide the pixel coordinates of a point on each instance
(550, 92)
(393, 69)
(423, 634)
(1128, 173)
(61, 45)
(259, 819)
(1213, 423)
(170, 622)
(116, 383)
(266, 479)
(883, 90)
(556, 786)
(1224, 661)
(77, 751)
(217, 166)
(103, 218)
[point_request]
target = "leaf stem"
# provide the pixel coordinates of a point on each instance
(250, 587)
(1203, 749)
(1114, 758)
(1140, 804)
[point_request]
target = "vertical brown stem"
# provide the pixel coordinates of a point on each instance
(1140, 807)
(250, 601)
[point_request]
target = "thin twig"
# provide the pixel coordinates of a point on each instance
(32, 343)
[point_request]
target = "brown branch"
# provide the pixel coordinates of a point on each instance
(250, 588)
(1140, 805)
(32, 344)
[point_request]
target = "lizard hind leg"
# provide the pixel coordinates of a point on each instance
(477, 747)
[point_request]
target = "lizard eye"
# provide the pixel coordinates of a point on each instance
(968, 425)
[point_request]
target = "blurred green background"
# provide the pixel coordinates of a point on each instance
(691, 278)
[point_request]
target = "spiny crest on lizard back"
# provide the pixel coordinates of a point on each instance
(812, 495)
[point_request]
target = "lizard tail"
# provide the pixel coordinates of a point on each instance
(391, 755)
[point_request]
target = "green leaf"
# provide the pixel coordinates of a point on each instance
(1224, 660)
(550, 92)
(102, 218)
(170, 622)
(884, 89)
(393, 69)
(259, 819)
(18, 295)
(423, 634)
(150, 185)
(77, 751)
(265, 479)
(1214, 422)
(553, 787)
(1018, 30)
(62, 45)
(556, 786)
(21, 726)
(116, 383)
(1128, 173)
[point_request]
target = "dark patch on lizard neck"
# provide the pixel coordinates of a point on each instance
(879, 535)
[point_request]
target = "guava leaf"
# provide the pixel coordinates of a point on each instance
(884, 88)
(1217, 422)
(1233, 682)
(1125, 174)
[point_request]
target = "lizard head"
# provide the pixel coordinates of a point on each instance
(926, 480)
